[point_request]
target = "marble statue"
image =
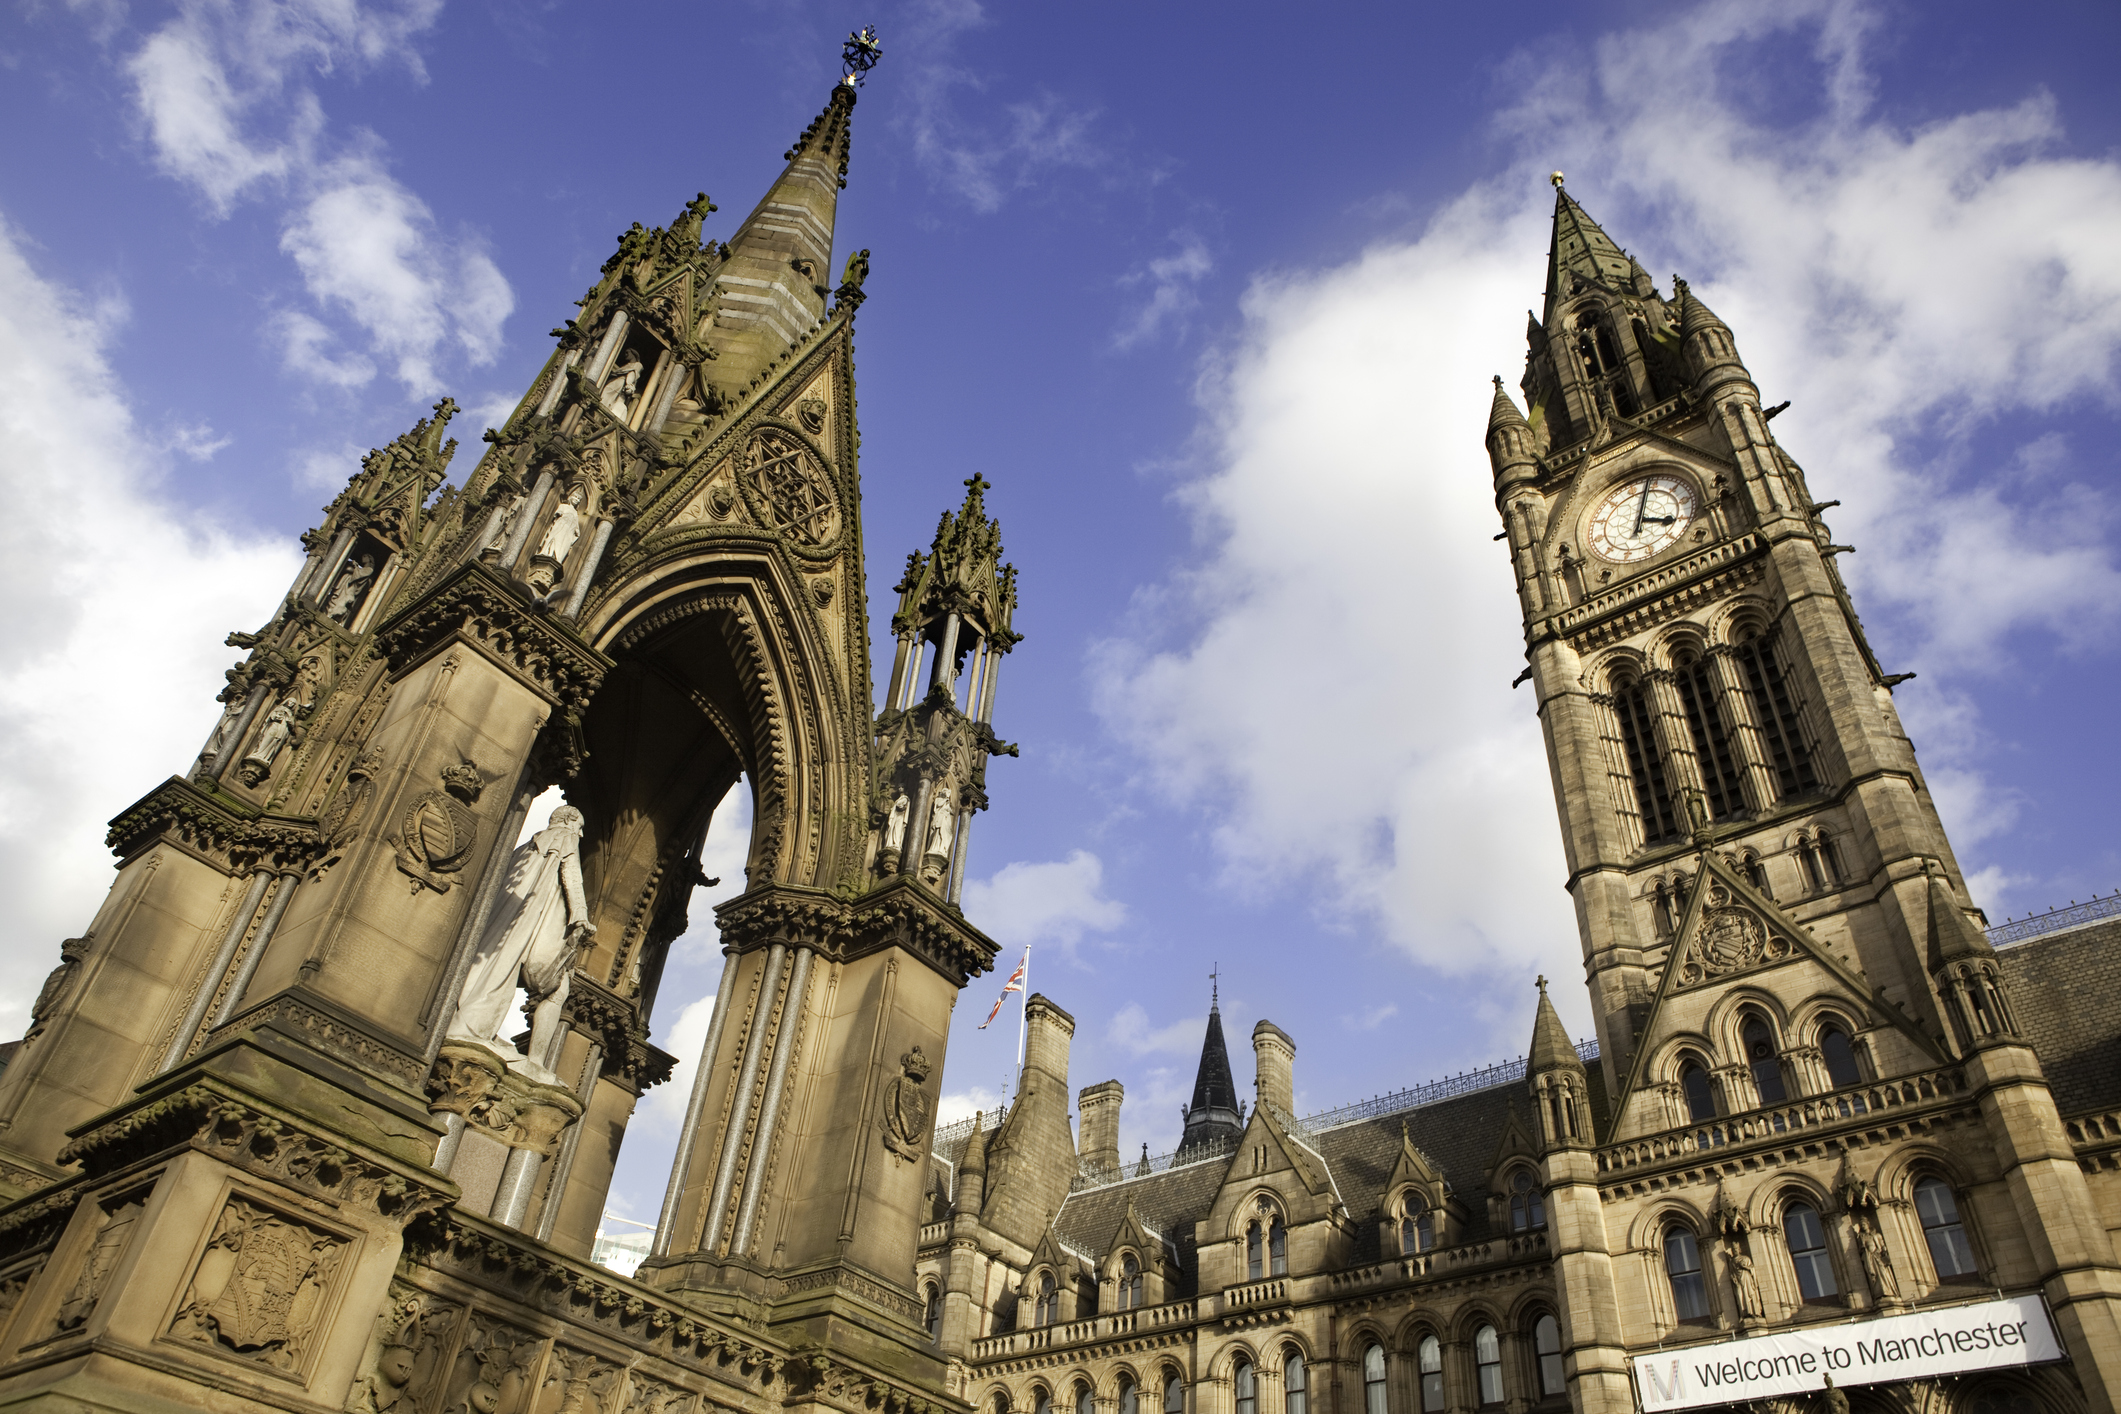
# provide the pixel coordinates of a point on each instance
(346, 594)
(1747, 1286)
(278, 730)
(942, 825)
(620, 385)
(538, 925)
(566, 528)
(895, 824)
(498, 541)
(1877, 1262)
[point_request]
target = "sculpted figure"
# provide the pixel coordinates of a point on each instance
(499, 540)
(346, 594)
(895, 824)
(566, 527)
(1750, 1306)
(857, 269)
(279, 729)
(942, 824)
(538, 925)
(223, 730)
(1877, 1262)
(620, 385)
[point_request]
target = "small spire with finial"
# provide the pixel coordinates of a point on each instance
(1556, 179)
(1215, 989)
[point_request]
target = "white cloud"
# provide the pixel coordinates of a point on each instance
(1133, 1032)
(1053, 902)
(1329, 682)
(368, 246)
(955, 1105)
(223, 92)
(107, 588)
(195, 440)
(982, 160)
(1171, 280)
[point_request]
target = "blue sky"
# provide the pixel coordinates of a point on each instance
(1212, 295)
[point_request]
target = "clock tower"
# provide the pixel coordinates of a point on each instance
(1776, 935)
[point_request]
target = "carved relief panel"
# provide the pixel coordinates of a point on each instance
(260, 1291)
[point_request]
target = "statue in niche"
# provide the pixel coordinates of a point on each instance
(282, 725)
(895, 824)
(538, 925)
(498, 541)
(1747, 1287)
(224, 730)
(352, 584)
(942, 825)
(566, 527)
(1877, 1260)
(621, 384)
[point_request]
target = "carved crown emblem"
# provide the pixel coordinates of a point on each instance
(915, 1065)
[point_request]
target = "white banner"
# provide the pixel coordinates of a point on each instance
(1952, 1340)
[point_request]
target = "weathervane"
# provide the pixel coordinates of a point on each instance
(859, 55)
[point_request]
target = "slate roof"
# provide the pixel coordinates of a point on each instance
(1460, 1136)
(2066, 990)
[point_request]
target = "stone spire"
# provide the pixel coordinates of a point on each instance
(1582, 250)
(1213, 1115)
(1952, 935)
(1551, 1047)
(779, 273)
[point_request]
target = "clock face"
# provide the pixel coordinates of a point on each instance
(1637, 519)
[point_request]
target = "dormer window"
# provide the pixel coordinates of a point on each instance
(1048, 1308)
(1255, 1255)
(1278, 1249)
(1528, 1206)
(1417, 1226)
(1130, 1282)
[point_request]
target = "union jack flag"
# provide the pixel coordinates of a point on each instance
(1014, 984)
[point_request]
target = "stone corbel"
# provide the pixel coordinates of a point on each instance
(476, 1083)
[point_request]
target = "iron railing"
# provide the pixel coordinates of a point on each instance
(2055, 920)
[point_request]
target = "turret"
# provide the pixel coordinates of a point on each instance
(1274, 1058)
(1963, 966)
(1711, 354)
(1556, 1077)
(1509, 442)
(1097, 1112)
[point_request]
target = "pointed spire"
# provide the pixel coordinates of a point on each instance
(1694, 316)
(1503, 411)
(776, 281)
(1581, 249)
(1213, 1113)
(1551, 1048)
(1953, 936)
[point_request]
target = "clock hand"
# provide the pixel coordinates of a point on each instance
(1640, 507)
(1641, 521)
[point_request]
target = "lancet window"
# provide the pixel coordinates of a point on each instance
(1695, 1086)
(1765, 1061)
(1430, 1356)
(1130, 1282)
(1718, 763)
(1417, 1226)
(1806, 1237)
(1487, 1364)
(1528, 1205)
(1637, 714)
(1839, 1054)
(1246, 1385)
(1682, 1266)
(1950, 1251)
(1373, 1380)
(1777, 713)
(1546, 1348)
(1295, 1395)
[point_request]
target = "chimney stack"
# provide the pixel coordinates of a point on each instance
(1097, 1107)
(1274, 1056)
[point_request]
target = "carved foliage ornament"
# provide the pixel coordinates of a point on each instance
(907, 1107)
(789, 491)
(260, 1286)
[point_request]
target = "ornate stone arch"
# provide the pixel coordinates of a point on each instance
(1726, 1019)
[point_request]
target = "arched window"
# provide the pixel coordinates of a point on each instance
(1129, 1397)
(1255, 1255)
(1528, 1206)
(1638, 740)
(1041, 1401)
(1278, 1249)
(1084, 1401)
(1174, 1393)
(1130, 1283)
(1417, 1228)
(1293, 1393)
(1001, 1401)
(1430, 1354)
(1487, 1363)
(1700, 1097)
(935, 1311)
(1048, 1308)
(1840, 1056)
(1247, 1386)
(1712, 743)
(1373, 1380)
(1766, 1064)
(1949, 1249)
(1682, 1263)
(1806, 1236)
(1775, 712)
(1546, 1344)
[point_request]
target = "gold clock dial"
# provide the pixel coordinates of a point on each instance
(1639, 518)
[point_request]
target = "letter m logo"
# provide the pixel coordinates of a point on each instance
(1658, 1391)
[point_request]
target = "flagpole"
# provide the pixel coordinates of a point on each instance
(1023, 1024)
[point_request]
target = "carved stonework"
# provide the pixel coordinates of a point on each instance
(102, 1261)
(1730, 938)
(493, 1370)
(408, 1362)
(578, 1383)
(789, 491)
(907, 1107)
(464, 1080)
(474, 1081)
(440, 829)
(260, 1286)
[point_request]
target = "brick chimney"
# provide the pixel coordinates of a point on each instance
(1274, 1056)
(1097, 1109)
